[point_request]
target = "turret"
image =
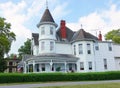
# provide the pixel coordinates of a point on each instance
(47, 33)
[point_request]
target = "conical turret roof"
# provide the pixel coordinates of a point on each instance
(47, 17)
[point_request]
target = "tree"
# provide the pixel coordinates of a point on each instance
(13, 56)
(113, 35)
(26, 48)
(6, 38)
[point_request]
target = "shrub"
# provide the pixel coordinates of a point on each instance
(47, 77)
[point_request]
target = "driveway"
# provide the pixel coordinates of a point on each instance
(57, 84)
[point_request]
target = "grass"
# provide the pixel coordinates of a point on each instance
(106, 85)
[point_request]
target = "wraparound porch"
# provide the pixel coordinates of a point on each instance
(50, 63)
(50, 67)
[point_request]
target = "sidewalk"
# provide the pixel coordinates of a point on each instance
(58, 84)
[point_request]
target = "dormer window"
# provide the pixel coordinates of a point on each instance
(51, 30)
(42, 30)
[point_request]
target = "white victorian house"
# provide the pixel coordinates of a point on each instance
(61, 49)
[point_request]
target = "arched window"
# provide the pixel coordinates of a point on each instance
(51, 30)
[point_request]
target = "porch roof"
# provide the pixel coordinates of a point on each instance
(54, 57)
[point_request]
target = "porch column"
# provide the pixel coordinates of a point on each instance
(28, 68)
(76, 66)
(34, 66)
(25, 67)
(65, 63)
(51, 63)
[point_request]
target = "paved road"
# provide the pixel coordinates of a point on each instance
(57, 84)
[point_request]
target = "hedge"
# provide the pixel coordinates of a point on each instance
(48, 77)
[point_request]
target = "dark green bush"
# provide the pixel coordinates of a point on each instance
(47, 77)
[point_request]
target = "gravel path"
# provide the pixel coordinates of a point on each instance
(57, 84)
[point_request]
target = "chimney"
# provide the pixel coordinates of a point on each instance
(63, 29)
(100, 36)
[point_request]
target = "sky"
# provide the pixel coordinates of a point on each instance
(94, 15)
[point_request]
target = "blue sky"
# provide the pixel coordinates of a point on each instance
(94, 15)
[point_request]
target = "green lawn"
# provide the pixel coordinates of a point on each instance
(106, 85)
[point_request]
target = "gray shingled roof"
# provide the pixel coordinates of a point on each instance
(53, 56)
(47, 17)
(57, 55)
(82, 35)
(69, 34)
(35, 38)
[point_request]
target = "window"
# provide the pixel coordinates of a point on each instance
(37, 67)
(10, 70)
(51, 46)
(110, 46)
(88, 49)
(74, 49)
(81, 65)
(80, 49)
(10, 63)
(42, 45)
(53, 67)
(30, 68)
(51, 30)
(43, 67)
(105, 63)
(90, 65)
(70, 67)
(42, 30)
(96, 46)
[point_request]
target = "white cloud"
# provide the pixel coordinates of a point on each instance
(92, 21)
(60, 11)
(21, 12)
(74, 26)
(14, 14)
(114, 17)
(103, 21)
(34, 9)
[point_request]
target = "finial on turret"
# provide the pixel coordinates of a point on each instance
(46, 4)
(81, 26)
